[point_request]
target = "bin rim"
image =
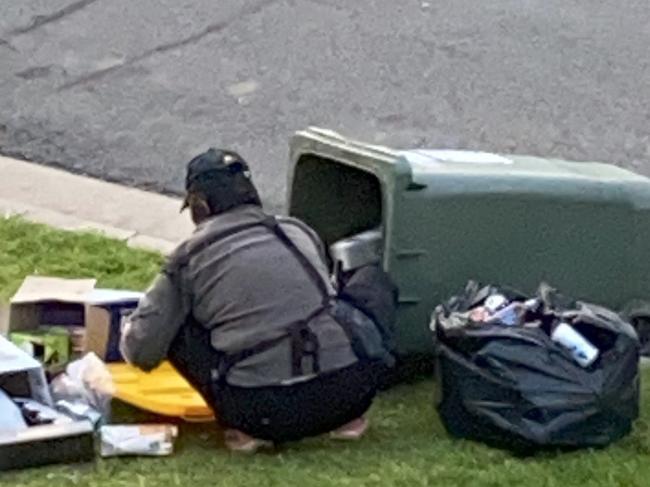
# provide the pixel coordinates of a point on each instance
(387, 165)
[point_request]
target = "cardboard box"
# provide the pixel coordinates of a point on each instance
(23, 376)
(47, 301)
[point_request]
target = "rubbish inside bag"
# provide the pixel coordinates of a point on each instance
(528, 372)
(570, 328)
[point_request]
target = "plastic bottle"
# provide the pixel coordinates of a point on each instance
(582, 350)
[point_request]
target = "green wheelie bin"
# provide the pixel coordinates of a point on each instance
(438, 218)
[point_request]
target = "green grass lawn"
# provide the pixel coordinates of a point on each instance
(407, 446)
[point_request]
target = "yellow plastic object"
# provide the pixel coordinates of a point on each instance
(161, 391)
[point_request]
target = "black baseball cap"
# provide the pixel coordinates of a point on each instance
(213, 164)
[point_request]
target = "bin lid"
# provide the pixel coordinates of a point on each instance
(162, 391)
(448, 171)
(426, 162)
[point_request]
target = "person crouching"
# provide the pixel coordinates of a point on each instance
(246, 312)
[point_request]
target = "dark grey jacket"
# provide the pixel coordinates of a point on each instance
(249, 287)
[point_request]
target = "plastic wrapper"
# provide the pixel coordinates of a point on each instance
(85, 389)
(78, 411)
(143, 440)
(516, 388)
(37, 414)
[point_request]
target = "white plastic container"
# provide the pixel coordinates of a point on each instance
(358, 250)
(583, 351)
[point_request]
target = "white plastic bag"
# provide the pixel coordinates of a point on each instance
(86, 384)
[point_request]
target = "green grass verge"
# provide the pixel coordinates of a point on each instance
(407, 446)
(27, 248)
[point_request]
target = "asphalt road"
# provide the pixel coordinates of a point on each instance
(128, 90)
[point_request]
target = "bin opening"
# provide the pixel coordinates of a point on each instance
(335, 199)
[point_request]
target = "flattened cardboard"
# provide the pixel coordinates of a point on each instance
(35, 289)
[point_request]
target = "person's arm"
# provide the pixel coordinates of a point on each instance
(150, 330)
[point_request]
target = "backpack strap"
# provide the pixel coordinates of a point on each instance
(271, 223)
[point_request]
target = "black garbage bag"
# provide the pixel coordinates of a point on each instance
(637, 313)
(515, 388)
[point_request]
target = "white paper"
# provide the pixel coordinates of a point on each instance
(147, 440)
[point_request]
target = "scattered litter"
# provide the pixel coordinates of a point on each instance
(145, 440)
(79, 411)
(239, 90)
(36, 414)
(32, 431)
(51, 323)
(85, 389)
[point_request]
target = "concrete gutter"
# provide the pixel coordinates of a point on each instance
(71, 202)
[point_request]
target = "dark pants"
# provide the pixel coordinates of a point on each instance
(291, 412)
(277, 413)
(288, 413)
